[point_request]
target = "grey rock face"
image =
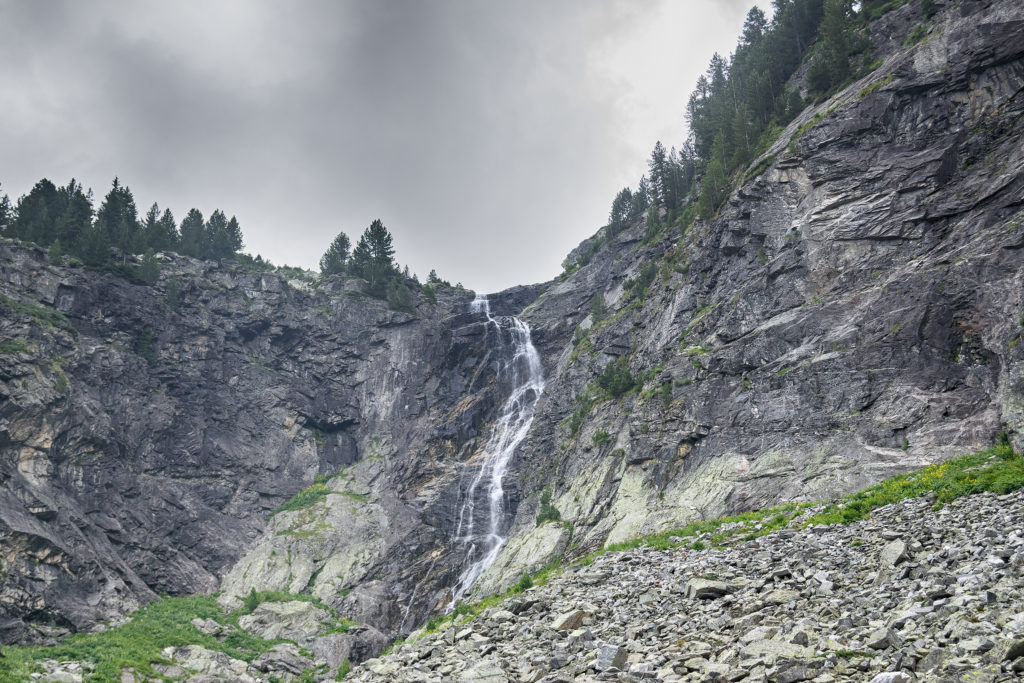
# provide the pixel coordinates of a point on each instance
(145, 442)
(854, 311)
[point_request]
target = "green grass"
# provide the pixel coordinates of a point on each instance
(312, 494)
(916, 36)
(997, 469)
(867, 90)
(137, 644)
(770, 519)
(42, 315)
(877, 12)
(759, 168)
(160, 624)
(9, 347)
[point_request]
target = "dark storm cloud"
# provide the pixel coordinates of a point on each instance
(489, 137)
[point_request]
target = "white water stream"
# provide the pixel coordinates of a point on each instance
(481, 531)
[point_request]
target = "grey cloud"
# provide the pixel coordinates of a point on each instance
(484, 135)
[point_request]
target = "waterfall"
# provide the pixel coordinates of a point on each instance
(481, 532)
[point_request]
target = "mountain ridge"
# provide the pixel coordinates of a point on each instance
(851, 312)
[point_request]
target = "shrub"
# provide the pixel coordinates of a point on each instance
(616, 378)
(428, 293)
(583, 405)
(399, 298)
(548, 512)
(639, 285)
(524, 584)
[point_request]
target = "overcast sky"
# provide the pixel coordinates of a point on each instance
(490, 137)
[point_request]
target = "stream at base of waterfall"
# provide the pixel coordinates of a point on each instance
(482, 531)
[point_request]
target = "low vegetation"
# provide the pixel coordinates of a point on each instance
(307, 497)
(547, 512)
(998, 469)
(161, 624)
(42, 315)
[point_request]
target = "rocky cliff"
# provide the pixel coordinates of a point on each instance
(853, 311)
(148, 433)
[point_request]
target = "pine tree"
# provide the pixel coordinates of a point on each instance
(163, 235)
(76, 219)
(373, 258)
(657, 165)
(234, 232)
(5, 214)
(93, 247)
(37, 212)
(641, 198)
(56, 254)
(398, 295)
(149, 270)
(831, 65)
(335, 259)
(192, 233)
(117, 218)
(216, 241)
(622, 207)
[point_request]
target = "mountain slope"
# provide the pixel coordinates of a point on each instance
(853, 311)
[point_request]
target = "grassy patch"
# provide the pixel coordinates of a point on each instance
(997, 469)
(44, 316)
(548, 512)
(916, 36)
(137, 644)
(759, 168)
(722, 530)
(10, 347)
(867, 90)
(873, 13)
(311, 495)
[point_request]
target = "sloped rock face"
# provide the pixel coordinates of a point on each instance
(854, 310)
(146, 437)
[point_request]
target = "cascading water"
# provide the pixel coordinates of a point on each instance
(525, 375)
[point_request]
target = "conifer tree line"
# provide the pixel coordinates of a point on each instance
(740, 104)
(373, 260)
(65, 220)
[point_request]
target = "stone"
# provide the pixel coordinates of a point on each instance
(707, 589)
(771, 650)
(892, 677)
(610, 657)
(570, 621)
(284, 657)
(893, 553)
(881, 639)
(293, 620)
(484, 671)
